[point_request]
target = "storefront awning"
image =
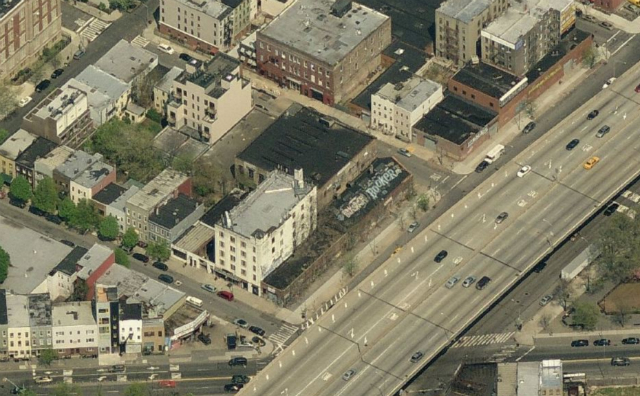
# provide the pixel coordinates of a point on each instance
(5, 179)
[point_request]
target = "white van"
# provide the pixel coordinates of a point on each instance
(194, 301)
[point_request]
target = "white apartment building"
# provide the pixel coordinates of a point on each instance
(18, 330)
(210, 99)
(130, 327)
(263, 230)
(395, 109)
(75, 330)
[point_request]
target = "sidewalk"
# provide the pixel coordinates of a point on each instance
(619, 22)
(93, 11)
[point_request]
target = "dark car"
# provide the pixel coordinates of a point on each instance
(54, 219)
(165, 278)
(161, 266)
(238, 361)
(204, 338)
(611, 209)
(483, 282)
(36, 211)
(186, 57)
(257, 330)
(580, 343)
(141, 257)
(501, 217)
(572, 144)
(603, 131)
(529, 127)
(539, 267)
(42, 85)
(57, 73)
(233, 388)
(482, 166)
(441, 256)
(416, 357)
(117, 368)
(631, 341)
(602, 342)
(68, 243)
(18, 203)
(240, 379)
(593, 115)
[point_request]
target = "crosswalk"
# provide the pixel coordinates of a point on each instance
(140, 41)
(94, 29)
(483, 339)
(280, 337)
(631, 196)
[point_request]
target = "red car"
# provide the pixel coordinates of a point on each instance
(638, 88)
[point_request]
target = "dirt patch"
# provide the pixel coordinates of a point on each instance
(625, 296)
(628, 391)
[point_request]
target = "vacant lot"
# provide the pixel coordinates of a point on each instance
(629, 391)
(626, 296)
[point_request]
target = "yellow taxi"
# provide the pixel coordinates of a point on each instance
(591, 162)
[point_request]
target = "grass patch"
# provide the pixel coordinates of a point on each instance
(622, 391)
(625, 295)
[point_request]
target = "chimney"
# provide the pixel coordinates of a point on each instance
(298, 176)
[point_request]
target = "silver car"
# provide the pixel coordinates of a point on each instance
(545, 300)
(468, 281)
(413, 226)
(349, 374)
(452, 282)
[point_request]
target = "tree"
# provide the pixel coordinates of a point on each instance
(45, 197)
(36, 75)
(5, 263)
(589, 57)
(423, 202)
(622, 314)
(545, 321)
(85, 217)
(617, 250)
(121, 257)
(67, 209)
(350, 266)
(586, 315)
(109, 228)
(65, 389)
(4, 134)
(183, 163)
(137, 389)
(130, 238)
(8, 100)
(80, 290)
(160, 250)
(21, 189)
(122, 5)
(143, 90)
(47, 356)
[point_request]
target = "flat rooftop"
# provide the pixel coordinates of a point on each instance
(174, 211)
(173, 142)
(39, 148)
(103, 82)
(410, 94)
(77, 313)
(109, 194)
(16, 144)
(125, 61)
(77, 163)
(511, 26)
(55, 157)
(106, 293)
(464, 10)
(195, 237)
(210, 76)
(486, 79)
(68, 265)
(18, 310)
(298, 140)
(215, 9)
(439, 122)
(309, 27)
(568, 43)
(228, 202)
(94, 174)
(93, 259)
(157, 190)
(31, 263)
(60, 102)
(185, 315)
(40, 310)
(166, 82)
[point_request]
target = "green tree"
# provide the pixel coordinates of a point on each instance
(589, 57)
(423, 202)
(45, 197)
(5, 263)
(122, 258)
(160, 250)
(8, 100)
(183, 163)
(21, 189)
(4, 134)
(80, 290)
(122, 5)
(130, 238)
(109, 228)
(47, 356)
(137, 389)
(586, 315)
(617, 250)
(85, 217)
(67, 209)
(350, 266)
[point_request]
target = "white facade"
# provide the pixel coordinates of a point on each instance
(60, 284)
(395, 109)
(208, 22)
(74, 326)
(18, 329)
(131, 331)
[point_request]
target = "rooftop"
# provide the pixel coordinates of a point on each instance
(511, 26)
(16, 144)
(77, 313)
(94, 174)
(507, 384)
(30, 266)
(228, 202)
(195, 237)
(165, 83)
(312, 28)
(211, 74)
(568, 43)
(411, 93)
(298, 139)
(173, 142)
(125, 61)
(96, 98)
(69, 264)
(486, 79)
(59, 102)
(109, 194)
(131, 311)
(158, 189)
(39, 148)
(464, 10)
(8, 5)
(528, 373)
(55, 157)
(93, 259)
(77, 163)
(187, 314)
(267, 206)
(103, 82)
(215, 9)
(18, 310)
(106, 293)
(39, 310)
(551, 374)
(173, 211)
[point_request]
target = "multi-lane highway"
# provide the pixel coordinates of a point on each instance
(403, 307)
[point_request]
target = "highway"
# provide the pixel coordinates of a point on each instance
(403, 307)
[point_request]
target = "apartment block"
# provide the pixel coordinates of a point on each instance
(171, 220)
(75, 331)
(162, 89)
(18, 326)
(153, 335)
(210, 99)
(40, 322)
(26, 28)
(11, 149)
(324, 49)
(25, 322)
(130, 325)
(111, 201)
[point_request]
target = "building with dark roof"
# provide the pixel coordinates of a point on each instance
(25, 163)
(170, 220)
(4, 322)
(330, 153)
(111, 201)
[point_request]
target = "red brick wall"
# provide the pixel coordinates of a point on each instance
(91, 280)
(186, 188)
(110, 178)
(192, 42)
(609, 5)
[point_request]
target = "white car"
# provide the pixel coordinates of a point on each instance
(241, 323)
(166, 49)
(43, 380)
(413, 226)
(24, 101)
(468, 281)
(609, 82)
(524, 170)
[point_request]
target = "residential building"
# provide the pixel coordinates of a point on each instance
(241, 16)
(153, 335)
(61, 280)
(303, 138)
(458, 26)
(324, 49)
(62, 117)
(45, 165)
(609, 5)
(25, 163)
(107, 96)
(111, 201)
(127, 62)
(395, 109)
(210, 100)
(4, 325)
(75, 331)
(130, 327)
(28, 27)
(91, 181)
(40, 322)
(168, 184)
(106, 311)
(93, 265)
(261, 232)
(72, 168)
(162, 89)
(19, 326)
(11, 149)
(170, 220)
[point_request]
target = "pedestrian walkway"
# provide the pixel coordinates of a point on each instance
(140, 41)
(94, 29)
(483, 339)
(280, 337)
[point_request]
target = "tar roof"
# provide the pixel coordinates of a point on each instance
(464, 10)
(125, 61)
(68, 264)
(438, 122)
(410, 94)
(487, 79)
(173, 211)
(94, 174)
(131, 311)
(92, 260)
(109, 194)
(16, 144)
(467, 111)
(39, 310)
(38, 149)
(310, 28)
(77, 313)
(221, 66)
(298, 140)
(157, 189)
(569, 42)
(228, 202)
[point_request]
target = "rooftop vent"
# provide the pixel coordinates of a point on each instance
(340, 8)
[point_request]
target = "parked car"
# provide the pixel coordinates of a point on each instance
(166, 49)
(529, 127)
(54, 219)
(226, 295)
(37, 211)
(42, 85)
(580, 343)
(232, 341)
(620, 361)
(240, 379)
(57, 73)
(18, 203)
(186, 57)
(258, 341)
(141, 257)
(608, 82)
(241, 323)
(413, 226)
(545, 300)
(78, 54)
(24, 101)
(602, 342)
(43, 379)
(593, 115)
(631, 341)
(142, 244)
(257, 330)
(209, 288)
(404, 152)
(611, 209)
(482, 166)
(349, 374)
(165, 278)
(416, 357)
(68, 243)
(161, 266)
(204, 338)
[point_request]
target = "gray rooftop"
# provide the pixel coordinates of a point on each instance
(18, 310)
(29, 265)
(507, 384)
(267, 206)
(125, 61)
(54, 158)
(209, 77)
(61, 102)
(309, 27)
(94, 174)
(551, 374)
(214, 9)
(195, 237)
(464, 10)
(166, 81)
(103, 82)
(511, 26)
(77, 313)
(39, 310)
(121, 201)
(158, 189)
(411, 93)
(528, 374)
(93, 259)
(16, 144)
(77, 163)
(95, 97)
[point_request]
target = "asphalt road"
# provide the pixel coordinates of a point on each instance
(403, 308)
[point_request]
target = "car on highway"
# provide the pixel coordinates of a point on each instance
(238, 361)
(349, 374)
(241, 323)
(240, 379)
(602, 342)
(545, 300)
(603, 131)
(611, 209)
(593, 114)
(482, 166)
(209, 288)
(185, 57)
(165, 278)
(441, 256)
(43, 379)
(57, 73)
(166, 49)
(631, 341)
(539, 267)
(42, 85)
(591, 162)
(404, 152)
(117, 368)
(529, 127)
(141, 257)
(68, 243)
(608, 82)
(233, 388)
(620, 361)
(416, 357)
(204, 338)
(24, 101)
(413, 226)
(452, 282)
(572, 144)
(160, 266)
(483, 282)
(468, 281)
(502, 217)
(524, 171)
(257, 330)
(580, 343)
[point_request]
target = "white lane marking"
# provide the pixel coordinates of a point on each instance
(623, 44)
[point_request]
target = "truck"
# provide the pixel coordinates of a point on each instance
(494, 153)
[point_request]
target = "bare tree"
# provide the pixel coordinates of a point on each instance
(545, 321)
(350, 266)
(622, 315)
